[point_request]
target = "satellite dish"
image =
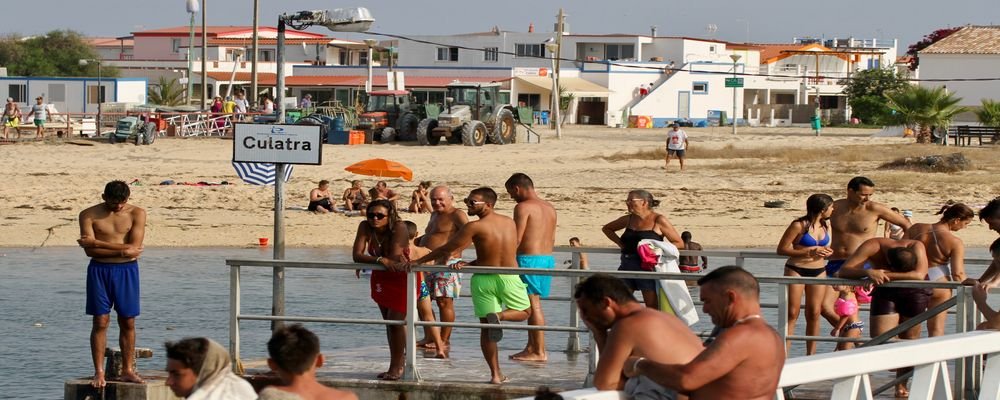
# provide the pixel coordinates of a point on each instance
(193, 6)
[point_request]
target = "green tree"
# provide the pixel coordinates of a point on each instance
(866, 94)
(989, 112)
(165, 93)
(56, 53)
(925, 108)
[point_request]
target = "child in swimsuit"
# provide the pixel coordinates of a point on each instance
(846, 307)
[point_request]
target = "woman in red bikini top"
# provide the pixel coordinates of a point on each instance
(383, 239)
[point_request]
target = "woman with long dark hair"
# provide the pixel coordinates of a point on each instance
(806, 242)
(383, 239)
(945, 254)
(640, 223)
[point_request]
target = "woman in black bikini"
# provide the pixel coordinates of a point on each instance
(354, 197)
(806, 242)
(640, 223)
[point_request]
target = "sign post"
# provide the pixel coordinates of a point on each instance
(281, 145)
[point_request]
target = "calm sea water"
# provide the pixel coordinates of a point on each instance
(44, 332)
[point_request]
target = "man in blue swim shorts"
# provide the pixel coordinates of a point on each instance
(111, 234)
(536, 233)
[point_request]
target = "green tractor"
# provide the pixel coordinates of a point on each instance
(472, 116)
(135, 129)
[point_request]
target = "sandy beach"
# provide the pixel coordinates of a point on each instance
(586, 174)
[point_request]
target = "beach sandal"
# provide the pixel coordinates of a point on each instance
(494, 334)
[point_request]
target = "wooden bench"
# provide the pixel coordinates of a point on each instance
(963, 134)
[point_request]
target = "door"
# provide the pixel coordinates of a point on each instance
(683, 104)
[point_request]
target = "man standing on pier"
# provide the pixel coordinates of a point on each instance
(445, 222)
(536, 236)
(855, 219)
(495, 297)
(745, 359)
(111, 234)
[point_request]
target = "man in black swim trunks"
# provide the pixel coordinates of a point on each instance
(891, 260)
(320, 198)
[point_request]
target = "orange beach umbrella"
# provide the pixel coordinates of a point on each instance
(381, 168)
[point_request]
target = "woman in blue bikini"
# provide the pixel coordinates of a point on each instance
(806, 242)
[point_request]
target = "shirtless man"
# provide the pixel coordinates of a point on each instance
(320, 198)
(384, 192)
(623, 328)
(445, 222)
(745, 359)
(891, 260)
(495, 297)
(536, 236)
(295, 357)
(111, 234)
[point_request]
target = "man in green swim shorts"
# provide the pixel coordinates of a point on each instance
(495, 297)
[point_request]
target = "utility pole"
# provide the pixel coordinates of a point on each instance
(253, 65)
(558, 96)
(204, 55)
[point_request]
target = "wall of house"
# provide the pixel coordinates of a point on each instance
(72, 98)
(160, 48)
(662, 103)
(945, 66)
(420, 54)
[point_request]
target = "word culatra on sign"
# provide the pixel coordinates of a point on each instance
(270, 143)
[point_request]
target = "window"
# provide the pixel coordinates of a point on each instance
(57, 92)
(699, 87)
(266, 55)
(447, 53)
(529, 50)
(363, 58)
(18, 92)
(491, 54)
(619, 52)
(92, 94)
(175, 45)
(711, 49)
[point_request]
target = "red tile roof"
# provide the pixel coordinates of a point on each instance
(109, 42)
(216, 31)
(968, 40)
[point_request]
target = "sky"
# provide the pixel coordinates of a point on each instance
(762, 21)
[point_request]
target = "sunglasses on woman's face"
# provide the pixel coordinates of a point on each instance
(376, 216)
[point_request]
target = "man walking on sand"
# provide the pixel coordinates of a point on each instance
(111, 234)
(677, 144)
(536, 234)
(444, 224)
(495, 297)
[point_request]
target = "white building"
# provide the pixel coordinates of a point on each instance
(73, 95)
(969, 53)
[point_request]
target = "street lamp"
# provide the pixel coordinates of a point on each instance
(736, 58)
(553, 48)
(371, 45)
(100, 99)
(192, 8)
(237, 53)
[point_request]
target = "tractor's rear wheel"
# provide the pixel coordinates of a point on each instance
(149, 133)
(406, 127)
(474, 133)
(388, 135)
(425, 132)
(504, 130)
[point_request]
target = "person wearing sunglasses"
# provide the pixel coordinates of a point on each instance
(495, 297)
(383, 239)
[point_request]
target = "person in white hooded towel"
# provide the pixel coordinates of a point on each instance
(199, 369)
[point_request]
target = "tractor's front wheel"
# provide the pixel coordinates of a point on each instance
(388, 135)
(474, 133)
(504, 130)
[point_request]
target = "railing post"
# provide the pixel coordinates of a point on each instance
(234, 318)
(962, 366)
(573, 342)
(410, 372)
(592, 358)
(782, 327)
(740, 260)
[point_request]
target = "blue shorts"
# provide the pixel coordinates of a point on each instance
(832, 266)
(537, 284)
(113, 285)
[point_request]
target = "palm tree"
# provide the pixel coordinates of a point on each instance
(926, 108)
(166, 93)
(989, 113)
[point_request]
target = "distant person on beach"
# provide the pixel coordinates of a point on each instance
(199, 369)
(643, 90)
(640, 223)
(945, 255)
(267, 106)
(584, 263)
(241, 105)
(432, 334)
(307, 101)
(382, 239)
(623, 328)
(536, 237)
(745, 359)
(354, 197)
(111, 234)
(677, 144)
(444, 224)
(382, 191)
(295, 357)
(41, 113)
(11, 117)
(320, 198)
(991, 215)
(690, 263)
(893, 231)
(981, 290)
(882, 260)
(806, 242)
(420, 201)
(495, 297)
